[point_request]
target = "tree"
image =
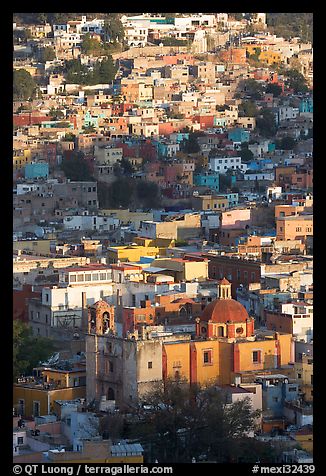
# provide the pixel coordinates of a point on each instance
(148, 194)
(289, 25)
(24, 86)
(21, 36)
(126, 167)
(296, 81)
(91, 46)
(113, 30)
(170, 41)
(191, 146)
(47, 54)
(120, 193)
(246, 154)
(56, 114)
(69, 137)
(286, 143)
(256, 54)
(107, 70)
(274, 89)
(248, 109)
(265, 123)
(90, 129)
(28, 350)
(182, 421)
(76, 167)
(252, 88)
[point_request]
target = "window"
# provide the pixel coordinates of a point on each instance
(21, 409)
(253, 276)
(256, 356)
(20, 440)
(207, 356)
(88, 277)
(72, 278)
(292, 389)
(299, 375)
(102, 276)
(95, 277)
(275, 399)
(80, 278)
(36, 408)
(150, 365)
(110, 366)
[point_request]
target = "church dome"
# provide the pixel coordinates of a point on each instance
(224, 310)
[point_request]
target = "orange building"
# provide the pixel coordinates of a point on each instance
(287, 210)
(294, 227)
(234, 55)
(303, 179)
(225, 344)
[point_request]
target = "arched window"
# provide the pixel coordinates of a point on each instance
(203, 330)
(183, 313)
(220, 331)
(106, 322)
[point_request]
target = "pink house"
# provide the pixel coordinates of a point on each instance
(240, 218)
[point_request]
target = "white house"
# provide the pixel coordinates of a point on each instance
(302, 319)
(222, 164)
(259, 176)
(90, 222)
(136, 35)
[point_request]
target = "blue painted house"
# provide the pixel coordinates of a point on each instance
(261, 164)
(276, 389)
(36, 170)
(207, 180)
(239, 135)
(306, 105)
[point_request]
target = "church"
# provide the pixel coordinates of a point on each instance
(224, 344)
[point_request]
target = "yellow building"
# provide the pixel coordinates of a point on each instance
(21, 157)
(304, 437)
(31, 398)
(270, 57)
(210, 202)
(304, 374)
(183, 269)
(131, 253)
(142, 247)
(39, 247)
(126, 216)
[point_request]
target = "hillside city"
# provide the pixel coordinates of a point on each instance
(162, 238)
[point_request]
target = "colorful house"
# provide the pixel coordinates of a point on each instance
(36, 170)
(239, 135)
(209, 180)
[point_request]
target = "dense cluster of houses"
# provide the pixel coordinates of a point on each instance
(213, 285)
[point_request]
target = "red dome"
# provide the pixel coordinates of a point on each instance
(223, 310)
